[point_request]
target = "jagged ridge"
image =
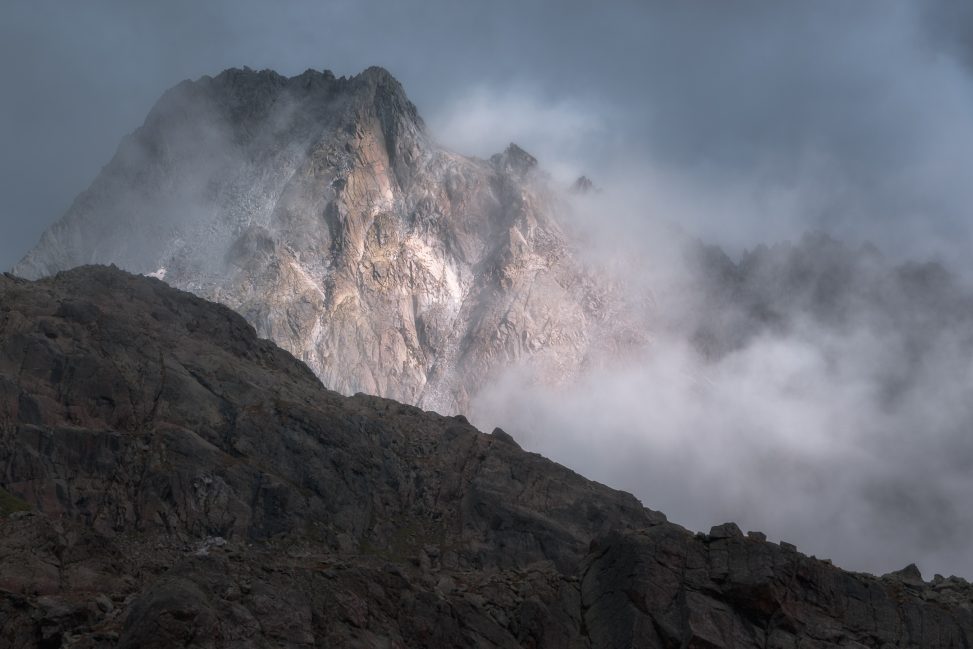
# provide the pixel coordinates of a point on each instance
(321, 210)
(189, 484)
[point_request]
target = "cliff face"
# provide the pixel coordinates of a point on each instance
(320, 210)
(169, 479)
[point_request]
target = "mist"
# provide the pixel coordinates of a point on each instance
(753, 124)
(853, 117)
(804, 252)
(814, 387)
(809, 374)
(814, 390)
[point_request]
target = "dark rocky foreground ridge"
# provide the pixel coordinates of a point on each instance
(168, 479)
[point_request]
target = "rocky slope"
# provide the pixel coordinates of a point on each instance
(320, 209)
(169, 479)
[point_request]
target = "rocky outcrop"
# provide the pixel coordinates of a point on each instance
(662, 588)
(169, 479)
(320, 209)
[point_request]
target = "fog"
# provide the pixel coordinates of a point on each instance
(817, 390)
(855, 116)
(814, 391)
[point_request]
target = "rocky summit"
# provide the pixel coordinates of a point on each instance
(167, 478)
(321, 210)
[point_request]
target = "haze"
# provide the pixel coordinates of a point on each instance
(739, 124)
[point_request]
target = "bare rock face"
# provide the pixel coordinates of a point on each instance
(167, 476)
(320, 209)
(169, 479)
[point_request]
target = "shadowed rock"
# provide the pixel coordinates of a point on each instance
(180, 482)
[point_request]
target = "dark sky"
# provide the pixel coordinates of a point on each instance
(755, 120)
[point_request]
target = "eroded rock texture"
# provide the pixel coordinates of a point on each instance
(168, 479)
(319, 208)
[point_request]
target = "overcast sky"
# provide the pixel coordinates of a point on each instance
(759, 119)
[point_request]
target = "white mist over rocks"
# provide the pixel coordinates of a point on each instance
(817, 390)
(814, 381)
(813, 390)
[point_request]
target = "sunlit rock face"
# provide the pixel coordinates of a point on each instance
(320, 209)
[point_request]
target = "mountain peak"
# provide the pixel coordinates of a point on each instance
(318, 208)
(378, 74)
(583, 185)
(251, 98)
(389, 100)
(514, 160)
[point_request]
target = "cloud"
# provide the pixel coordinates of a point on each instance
(855, 115)
(742, 124)
(560, 132)
(814, 391)
(948, 26)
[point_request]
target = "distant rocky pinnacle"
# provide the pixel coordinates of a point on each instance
(167, 479)
(320, 209)
(583, 185)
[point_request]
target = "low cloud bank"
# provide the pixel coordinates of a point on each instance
(816, 391)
